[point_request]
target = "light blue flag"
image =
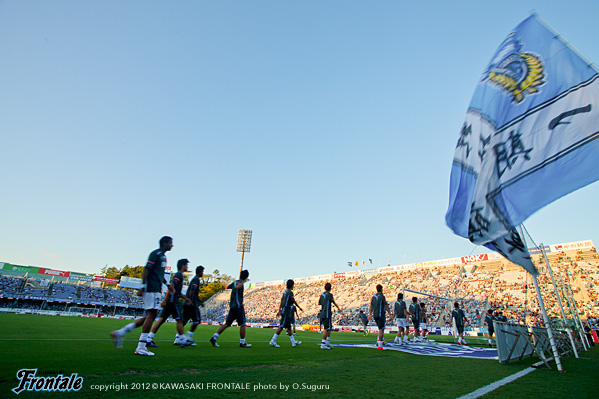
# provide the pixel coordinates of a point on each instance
(529, 138)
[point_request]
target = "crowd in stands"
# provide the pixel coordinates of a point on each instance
(11, 285)
(477, 287)
(492, 285)
(352, 295)
(31, 293)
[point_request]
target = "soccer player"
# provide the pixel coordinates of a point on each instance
(293, 316)
(364, 320)
(319, 322)
(152, 280)
(423, 322)
(458, 316)
(502, 317)
(236, 311)
(286, 313)
(415, 313)
(489, 320)
(378, 305)
(400, 314)
(172, 307)
(192, 311)
(326, 315)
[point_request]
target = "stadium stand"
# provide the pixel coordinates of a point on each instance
(478, 286)
(42, 294)
(495, 284)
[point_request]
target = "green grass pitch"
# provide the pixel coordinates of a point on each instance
(69, 345)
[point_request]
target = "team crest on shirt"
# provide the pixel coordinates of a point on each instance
(515, 72)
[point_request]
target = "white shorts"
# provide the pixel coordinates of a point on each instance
(152, 300)
(422, 327)
(402, 323)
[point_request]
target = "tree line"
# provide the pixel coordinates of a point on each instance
(212, 283)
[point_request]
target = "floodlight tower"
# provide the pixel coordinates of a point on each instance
(244, 242)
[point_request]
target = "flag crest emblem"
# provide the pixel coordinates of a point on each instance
(514, 71)
(530, 136)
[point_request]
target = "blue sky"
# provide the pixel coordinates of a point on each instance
(326, 127)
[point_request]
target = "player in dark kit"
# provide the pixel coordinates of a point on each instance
(501, 317)
(364, 320)
(400, 314)
(192, 311)
(415, 313)
(172, 307)
(423, 323)
(293, 315)
(236, 311)
(326, 315)
(489, 320)
(286, 313)
(152, 280)
(458, 316)
(378, 305)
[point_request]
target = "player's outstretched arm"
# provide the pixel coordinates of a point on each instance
(337, 306)
(297, 305)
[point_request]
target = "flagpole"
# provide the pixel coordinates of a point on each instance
(566, 293)
(547, 325)
(544, 312)
(559, 37)
(576, 314)
(525, 296)
(559, 300)
(577, 319)
(573, 312)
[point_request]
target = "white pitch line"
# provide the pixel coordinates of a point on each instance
(493, 386)
(110, 339)
(54, 339)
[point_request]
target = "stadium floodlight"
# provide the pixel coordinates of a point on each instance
(244, 242)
